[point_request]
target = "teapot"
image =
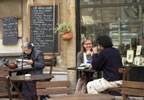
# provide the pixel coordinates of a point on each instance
(12, 65)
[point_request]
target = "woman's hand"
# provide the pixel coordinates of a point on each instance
(88, 52)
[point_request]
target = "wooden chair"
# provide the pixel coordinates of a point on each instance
(5, 88)
(125, 72)
(5, 85)
(132, 88)
(53, 87)
(49, 63)
(62, 87)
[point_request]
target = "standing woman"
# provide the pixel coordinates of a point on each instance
(84, 56)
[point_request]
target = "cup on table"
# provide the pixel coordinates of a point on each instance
(88, 64)
(27, 76)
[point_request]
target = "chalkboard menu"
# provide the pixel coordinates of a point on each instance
(43, 20)
(10, 30)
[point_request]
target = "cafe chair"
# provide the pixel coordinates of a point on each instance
(53, 88)
(60, 90)
(49, 63)
(132, 88)
(5, 86)
(117, 91)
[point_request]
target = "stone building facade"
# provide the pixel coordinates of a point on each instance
(19, 9)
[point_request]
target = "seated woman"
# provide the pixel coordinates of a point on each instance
(84, 56)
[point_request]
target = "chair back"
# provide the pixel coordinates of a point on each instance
(4, 83)
(4, 71)
(125, 72)
(3, 77)
(49, 63)
(53, 87)
(132, 88)
(5, 86)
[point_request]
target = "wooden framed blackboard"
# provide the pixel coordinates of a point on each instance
(42, 21)
(10, 30)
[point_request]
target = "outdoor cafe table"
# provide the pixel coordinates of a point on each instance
(80, 69)
(85, 97)
(89, 72)
(19, 70)
(26, 79)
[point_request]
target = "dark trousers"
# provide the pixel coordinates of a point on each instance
(26, 91)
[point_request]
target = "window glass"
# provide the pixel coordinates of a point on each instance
(122, 20)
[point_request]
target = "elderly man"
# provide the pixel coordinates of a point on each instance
(35, 59)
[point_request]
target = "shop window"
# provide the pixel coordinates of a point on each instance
(122, 20)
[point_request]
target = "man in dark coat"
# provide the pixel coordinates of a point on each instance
(36, 60)
(108, 61)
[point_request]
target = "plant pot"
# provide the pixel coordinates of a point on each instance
(67, 36)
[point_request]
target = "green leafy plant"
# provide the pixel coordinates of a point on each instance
(64, 28)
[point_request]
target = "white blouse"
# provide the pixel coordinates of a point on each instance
(85, 58)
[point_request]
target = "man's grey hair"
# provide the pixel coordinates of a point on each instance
(28, 45)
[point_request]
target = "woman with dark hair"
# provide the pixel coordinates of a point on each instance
(108, 61)
(84, 56)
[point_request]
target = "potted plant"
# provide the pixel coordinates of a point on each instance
(65, 31)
